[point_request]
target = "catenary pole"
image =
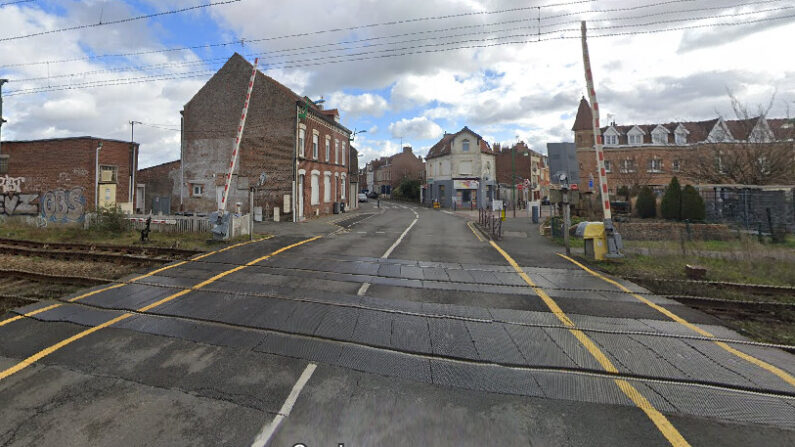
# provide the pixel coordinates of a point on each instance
(2, 81)
(614, 244)
(233, 162)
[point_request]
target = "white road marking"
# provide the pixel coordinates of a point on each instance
(268, 430)
(400, 239)
(366, 285)
(380, 232)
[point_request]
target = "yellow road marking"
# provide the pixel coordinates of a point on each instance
(47, 351)
(747, 357)
(472, 227)
(29, 314)
(660, 421)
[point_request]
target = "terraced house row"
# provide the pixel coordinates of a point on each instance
(703, 152)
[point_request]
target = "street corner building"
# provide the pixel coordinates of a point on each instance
(460, 169)
(294, 155)
(59, 180)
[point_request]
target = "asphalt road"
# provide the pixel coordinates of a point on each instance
(399, 326)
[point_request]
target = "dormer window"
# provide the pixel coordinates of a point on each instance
(635, 136)
(465, 145)
(681, 138)
(611, 140)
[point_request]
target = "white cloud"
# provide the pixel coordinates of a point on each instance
(357, 105)
(419, 127)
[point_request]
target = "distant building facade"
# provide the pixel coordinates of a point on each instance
(651, 154)
(460, 168)
(158, 189)
(522, 170)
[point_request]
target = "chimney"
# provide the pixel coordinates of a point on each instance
(407, 149)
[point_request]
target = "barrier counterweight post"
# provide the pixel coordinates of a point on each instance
(614, 244)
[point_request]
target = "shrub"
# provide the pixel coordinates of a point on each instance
(693, 207)
(407, 190)
(646, 204)
(671, 206)
(110, 221)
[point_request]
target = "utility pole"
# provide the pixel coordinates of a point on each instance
(133, 164)
(513, 178)
(2, 81)
(181, 157)
(614, 244)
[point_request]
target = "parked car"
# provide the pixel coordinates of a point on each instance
(362, 197)
(373, 195)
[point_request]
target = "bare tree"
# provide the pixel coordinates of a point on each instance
(759, 155)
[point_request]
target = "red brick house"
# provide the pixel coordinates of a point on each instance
(57, 179)
(651, 154)
(300, 149)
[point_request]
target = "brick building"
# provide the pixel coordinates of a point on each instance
(389, 172)
(158, 189)
(525, 164)
(56, 179)
(301, 149)
(651, 154)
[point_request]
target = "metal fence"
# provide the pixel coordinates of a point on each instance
(755, 209)
(491, 222)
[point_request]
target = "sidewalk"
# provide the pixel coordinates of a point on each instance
(309, 227)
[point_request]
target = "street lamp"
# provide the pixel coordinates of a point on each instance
(356, 132)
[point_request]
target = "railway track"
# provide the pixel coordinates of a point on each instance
(94, 252)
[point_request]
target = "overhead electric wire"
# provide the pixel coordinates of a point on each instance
(119, 21)
(305, 34)
(422, 49)
(15, 2)
(293, 51)
(661, 13)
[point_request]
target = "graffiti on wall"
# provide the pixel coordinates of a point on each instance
(11, 184)
(62, 205)
(59, 205)
(15, 204)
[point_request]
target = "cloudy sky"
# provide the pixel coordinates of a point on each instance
(401, 69)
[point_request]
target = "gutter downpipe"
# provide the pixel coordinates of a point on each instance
(96, 183)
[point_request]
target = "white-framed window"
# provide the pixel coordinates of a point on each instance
(337, 151)
(342, 187)
(465, 145)
(676, 165)
(343, 154)
(611, 140)
(301, 141)
(197, 190)
(608, 166)
(636, 139)
(627, 165)
(327, 187)
(681, 138)
(655, 165)
(315, 197)
(328, 148)
(659, 137)
(315, 138)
